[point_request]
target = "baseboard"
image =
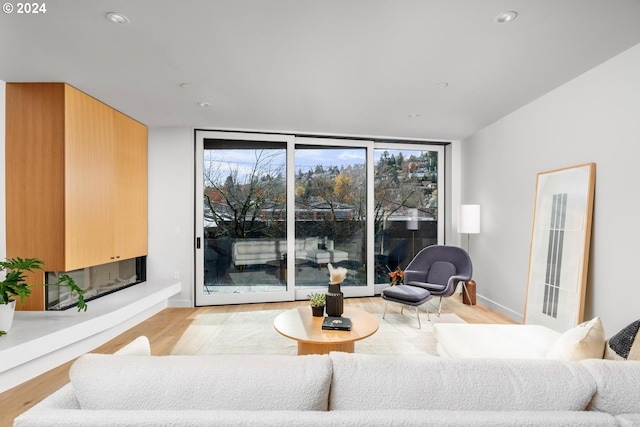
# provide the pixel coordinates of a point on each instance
(180, 303)
(516, 317)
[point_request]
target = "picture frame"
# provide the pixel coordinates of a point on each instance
(560, 242)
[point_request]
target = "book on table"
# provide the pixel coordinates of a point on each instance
(336, 323)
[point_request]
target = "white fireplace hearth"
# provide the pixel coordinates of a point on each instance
(41, 340)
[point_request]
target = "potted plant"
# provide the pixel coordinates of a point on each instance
(317, 302)
(14, 285)
(396, 277)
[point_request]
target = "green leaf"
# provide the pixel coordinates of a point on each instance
(14, 284)
(66, 280)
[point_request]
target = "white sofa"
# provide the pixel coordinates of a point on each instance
(493, 340)
(508, 341)
(318, 250)
(339, 389)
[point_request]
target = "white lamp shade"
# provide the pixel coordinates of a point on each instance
(469, 219)
(412, 220)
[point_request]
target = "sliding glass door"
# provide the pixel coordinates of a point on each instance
(406, 206)
(272, 211)
(331, 213)
(241, 220)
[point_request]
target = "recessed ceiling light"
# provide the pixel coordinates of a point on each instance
(413, 116)
(443, 84)
(506, 17)
(117, 18)
(185, 85)
(204, 104)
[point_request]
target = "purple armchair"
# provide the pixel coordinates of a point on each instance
(439, 269)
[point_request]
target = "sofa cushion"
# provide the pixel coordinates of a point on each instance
(618, 385)
(494, 341)
(365, 382)
(310, 244)
(628, 420)
(585, 341)
(625, 345)
(373, 418)
(299, 246)
(250, 382)
(253, 247)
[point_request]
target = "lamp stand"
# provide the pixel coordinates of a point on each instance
(469, 223)
(469, 288)
(413, 244)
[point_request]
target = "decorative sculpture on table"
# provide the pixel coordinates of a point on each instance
(335, 298)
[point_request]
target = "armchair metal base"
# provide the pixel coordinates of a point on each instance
(464, 289)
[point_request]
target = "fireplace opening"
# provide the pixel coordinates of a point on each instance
(97, 281)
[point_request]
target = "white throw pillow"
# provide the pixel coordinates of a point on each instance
(585, 341)
(138, 347)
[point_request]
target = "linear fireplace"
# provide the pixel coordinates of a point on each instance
(97, 281)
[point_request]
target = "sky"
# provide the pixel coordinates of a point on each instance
(305, 159)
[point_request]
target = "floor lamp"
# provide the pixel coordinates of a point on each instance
(469, 223)
(412, 224)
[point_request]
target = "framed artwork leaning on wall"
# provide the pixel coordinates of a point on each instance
(560, 241)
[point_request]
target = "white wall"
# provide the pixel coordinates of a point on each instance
(3, 222)
(171, 209)
(453, 177)
(594, 118)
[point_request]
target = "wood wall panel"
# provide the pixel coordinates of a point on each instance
(34, 177)
(90, 180)
(131, 234)
(76, 180)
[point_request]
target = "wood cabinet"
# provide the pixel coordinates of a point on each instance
(76, 179)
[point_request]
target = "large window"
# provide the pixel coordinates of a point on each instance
(245, 215)
(405, 207)
(274, 210)
(330, 219)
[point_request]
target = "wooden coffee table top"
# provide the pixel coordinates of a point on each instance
(300, 325)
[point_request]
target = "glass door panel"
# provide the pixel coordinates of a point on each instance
(330, 214)
(406, 203)
(244, 221)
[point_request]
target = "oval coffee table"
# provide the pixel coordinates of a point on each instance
(298, 324)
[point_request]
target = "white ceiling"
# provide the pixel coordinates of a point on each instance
(354, 67)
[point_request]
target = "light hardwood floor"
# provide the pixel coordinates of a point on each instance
(165, 329)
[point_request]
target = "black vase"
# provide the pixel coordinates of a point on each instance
(335, 301)
(318, 311)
